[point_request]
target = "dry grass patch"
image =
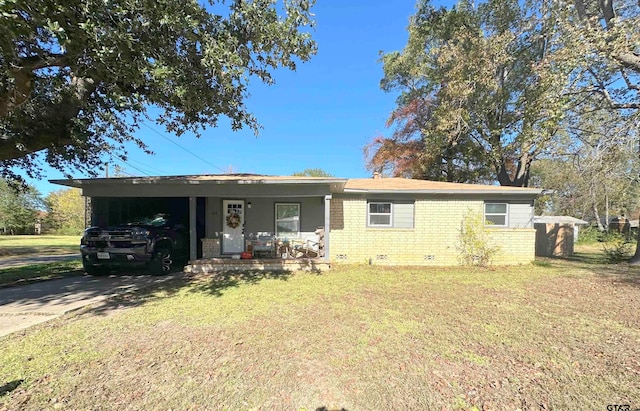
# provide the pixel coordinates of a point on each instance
(556, 335)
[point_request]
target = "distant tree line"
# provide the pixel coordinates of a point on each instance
(27, 212)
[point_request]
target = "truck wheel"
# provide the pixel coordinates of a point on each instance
(93, 270)
(161, 263)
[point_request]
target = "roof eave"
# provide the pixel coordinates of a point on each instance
(79, 183)
(69, 183)
(445, 191)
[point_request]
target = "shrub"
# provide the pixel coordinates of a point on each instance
(617, 248)
(474, 242)
(67, 231)
(589, 235)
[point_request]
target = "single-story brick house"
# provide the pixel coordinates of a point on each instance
(388, 221)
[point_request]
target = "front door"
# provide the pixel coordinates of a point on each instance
(233, 226)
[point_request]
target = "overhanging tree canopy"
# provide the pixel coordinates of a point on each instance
(598, 42)
(76, 77)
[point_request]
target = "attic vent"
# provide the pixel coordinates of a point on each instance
(381, 257)
(429, 257)
(341, 256)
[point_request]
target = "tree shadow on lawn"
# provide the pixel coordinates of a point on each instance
(13, 251)
(621, 273)
(213, 284)
(587, 258)
(10, 386)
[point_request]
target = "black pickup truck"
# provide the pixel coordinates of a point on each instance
(153, 242)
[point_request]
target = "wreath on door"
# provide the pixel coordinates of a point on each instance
(233, 220)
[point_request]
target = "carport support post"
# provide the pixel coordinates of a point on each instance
(327, 225)
(193, 246)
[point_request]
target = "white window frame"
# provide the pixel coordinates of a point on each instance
(288, 234)
(505, 214)
(369, 214)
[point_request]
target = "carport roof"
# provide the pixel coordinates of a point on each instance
(203, 178)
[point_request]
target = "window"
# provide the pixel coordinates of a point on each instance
(287, 220)
(390, 214)
(380, 215)
(495, 214)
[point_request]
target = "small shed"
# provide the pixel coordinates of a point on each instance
(556, 235)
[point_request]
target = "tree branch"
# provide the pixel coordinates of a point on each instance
(630, 85)
(606, 7)
(581, 9)
(623, 106)
(22, 73)
(38, 62)
(602, 89)
(630, 61)
(48, 126)
(17, 95)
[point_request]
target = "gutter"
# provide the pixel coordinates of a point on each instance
(492, 192)
(79, 183)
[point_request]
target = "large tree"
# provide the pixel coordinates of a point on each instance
(66, 211)
(414, 150)
(510, 77)
(480, 92)
(76, 77)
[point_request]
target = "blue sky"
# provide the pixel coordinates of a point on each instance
(319, 116)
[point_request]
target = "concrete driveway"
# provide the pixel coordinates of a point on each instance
(24, 306)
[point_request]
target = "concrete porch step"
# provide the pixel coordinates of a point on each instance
(213, 265)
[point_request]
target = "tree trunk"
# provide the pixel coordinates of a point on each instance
(597, 217)
(606, 212)
(635, 260)
(519, 178)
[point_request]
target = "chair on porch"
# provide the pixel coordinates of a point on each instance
(263, 247)
(305, 248)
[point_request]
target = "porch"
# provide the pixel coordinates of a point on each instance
(272, 228)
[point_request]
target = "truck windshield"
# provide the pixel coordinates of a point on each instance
(156, 220)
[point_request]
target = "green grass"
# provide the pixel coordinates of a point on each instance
(38, 245)
(39, 272)
(557, 334)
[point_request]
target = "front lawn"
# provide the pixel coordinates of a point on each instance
(12, 245)
(554, 335)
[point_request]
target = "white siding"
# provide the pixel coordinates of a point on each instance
(520, 215)
(403, 215)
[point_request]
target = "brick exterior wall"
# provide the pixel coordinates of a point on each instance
(432, 241)
(210, 247)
